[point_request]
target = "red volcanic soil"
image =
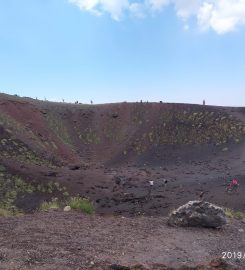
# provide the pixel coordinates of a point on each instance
(117, 148)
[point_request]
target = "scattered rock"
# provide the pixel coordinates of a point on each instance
(118, 267)
(74, 167)
(141, 267)
(215, 264)
(198, 214)
(84, 166)
(117, 180)
(51, 173)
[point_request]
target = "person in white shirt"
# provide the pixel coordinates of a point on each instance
(151, 184)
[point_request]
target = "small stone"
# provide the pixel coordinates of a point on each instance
(51, 173)
(118, 267)
(74, 167)
(67, 208)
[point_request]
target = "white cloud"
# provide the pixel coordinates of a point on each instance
(220, 15)
(137, 10)
(187, 8)
(85, 4)
(115, 8)
(157, 5)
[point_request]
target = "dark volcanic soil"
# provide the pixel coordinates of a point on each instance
(59, 240)
(120, 147)
(109, 153)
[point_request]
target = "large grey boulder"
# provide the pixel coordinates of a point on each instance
(198, 214)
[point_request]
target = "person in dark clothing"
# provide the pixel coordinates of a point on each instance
(201, 195)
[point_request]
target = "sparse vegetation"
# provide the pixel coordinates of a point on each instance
(89, 136)
(77, 203)
(13, 148)
(2, 168)
(82, 204)
(10, 212)
(174, 127)
(12, 186)
(54, 204)
(13, 127)
(5, 212)
(230, 213)
(58, 126)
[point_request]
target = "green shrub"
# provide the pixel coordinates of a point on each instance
(234, 214)
(2, 168)
(81, 204)
(65, 194)
(54, 204)
(77, 203)
(5, 212)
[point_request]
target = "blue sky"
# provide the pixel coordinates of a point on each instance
(113, 51)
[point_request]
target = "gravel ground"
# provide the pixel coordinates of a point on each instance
(71, 240)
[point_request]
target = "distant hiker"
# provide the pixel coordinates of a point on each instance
(91, 101)
(117, 183)
(201, 195)
(165, 181)
(151, 184)
(203, 102)
(233, 185)
(63, 100)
